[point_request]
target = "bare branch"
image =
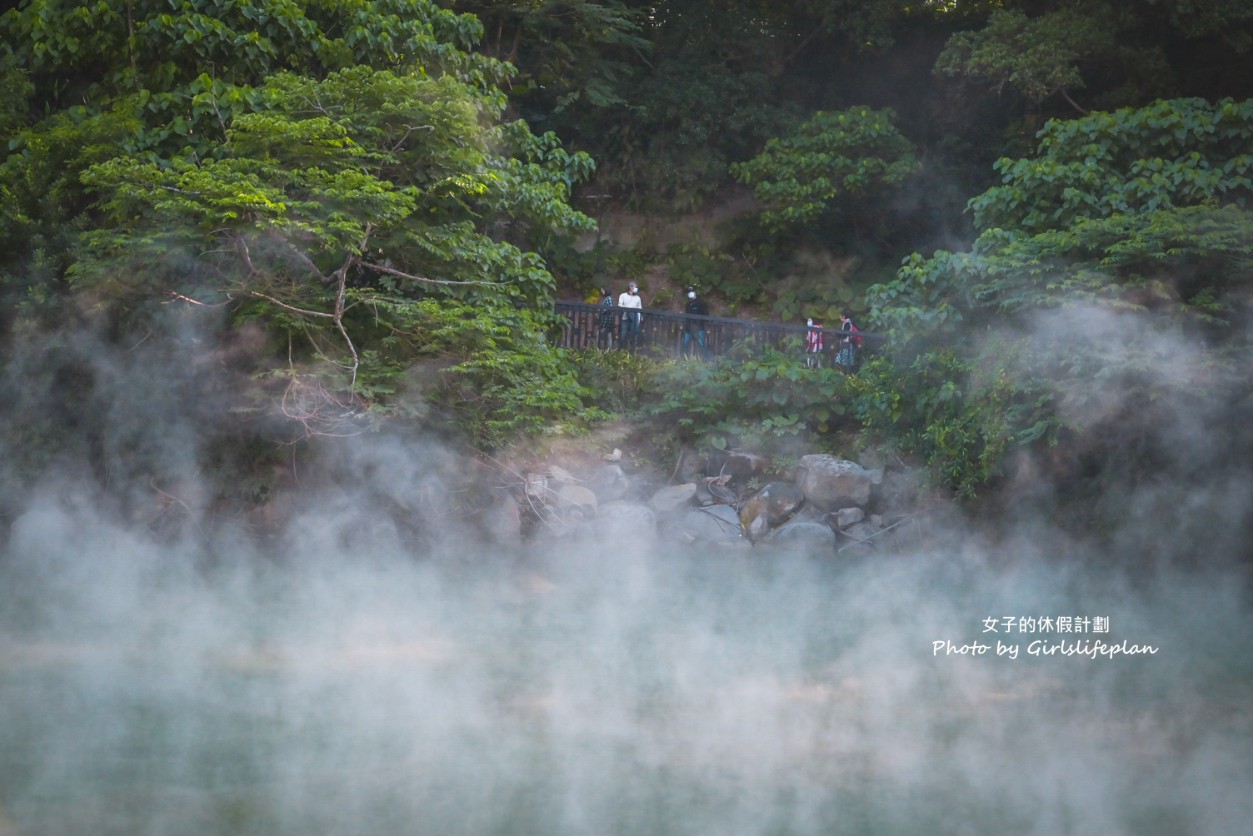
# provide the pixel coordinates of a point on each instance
(181, 298)
(400, 143)
(302, 311)
(379, 268)
(1073, 103)
(307, 403)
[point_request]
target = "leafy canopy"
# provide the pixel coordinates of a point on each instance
(1144, 207)
(1142, 214)
(320, 169)
(839, 154)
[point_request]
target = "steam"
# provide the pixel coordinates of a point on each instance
(348, 676)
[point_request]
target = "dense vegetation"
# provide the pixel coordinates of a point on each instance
(315, 218)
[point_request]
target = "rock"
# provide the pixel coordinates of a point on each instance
(803, 534)
(847, 516)
(626, 522)
(610, 483)
(500, 521)
(769, 507)
(831, 483)
(576, 499)
(560, 474)
(858, 537)
(691, 465)
(740, 465)
(672, 499)
(716, 524)
(713, 490)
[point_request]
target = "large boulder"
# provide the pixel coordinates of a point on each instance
(830, 483)
(672, 499)
(610, 482)
(769, 507)
(715, 524)
(806, 535)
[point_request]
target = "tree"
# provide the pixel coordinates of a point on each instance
(353, 162)
(1138, 220)
(846, 154)
(1104, 55)
(568, 52)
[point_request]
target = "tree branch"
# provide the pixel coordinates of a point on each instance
(1073, 103)
(379, 268)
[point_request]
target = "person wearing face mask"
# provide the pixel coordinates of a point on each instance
(813, 344)
(694, 339)
(632, 315)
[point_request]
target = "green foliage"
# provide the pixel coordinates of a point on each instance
(617, 379)
(1142, 212)
(1142, 207)
(1170, 154)
(711, 270)
(958, 415)
(797, 298)
(490, 375)
(758, 396)
(847, 153)
(322, 170)
(701, 97)
(1048, 54)
(332, 194)
(568, 54)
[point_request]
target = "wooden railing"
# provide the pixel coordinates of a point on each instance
(661, 332)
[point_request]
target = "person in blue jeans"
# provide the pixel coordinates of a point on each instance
(632, 315)
(694, 340)
(607, 328)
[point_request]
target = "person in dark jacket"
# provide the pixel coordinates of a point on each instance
(846, 350)
(694, 332)
(608, 324)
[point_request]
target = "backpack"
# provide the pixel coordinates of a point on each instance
(856, 340)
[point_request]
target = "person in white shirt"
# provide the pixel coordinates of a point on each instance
(632, 317)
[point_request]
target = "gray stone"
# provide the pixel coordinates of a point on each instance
(718, 524)
(847, 516)
(858, 537)
(674, 498)
(610, 483)
(769, 507)
(576, 499)
(831, 483)
(802, 534)
(626, 522)
(740, 465)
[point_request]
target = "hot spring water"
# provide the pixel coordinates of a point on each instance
(609, 690)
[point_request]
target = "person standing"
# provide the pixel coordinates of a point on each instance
(632, 315)
(813, 344)
(694, 330)
(607, 328)
(846, 356)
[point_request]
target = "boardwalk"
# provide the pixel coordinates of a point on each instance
(661, 332)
